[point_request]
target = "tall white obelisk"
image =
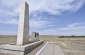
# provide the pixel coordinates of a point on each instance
(23, 26)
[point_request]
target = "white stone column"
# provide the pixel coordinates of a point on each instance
(23, 26)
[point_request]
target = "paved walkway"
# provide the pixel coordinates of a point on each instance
(33, 52)
(51, 49)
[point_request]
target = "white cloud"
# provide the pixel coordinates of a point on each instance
(9, 21)
(34, 23)
(7, 13)
(75, 29)
(11, 8)
(55, 32)
(10, 3)
(74, 26)
(39, 23)
(55, 6)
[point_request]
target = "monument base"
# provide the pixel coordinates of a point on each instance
(19, 50)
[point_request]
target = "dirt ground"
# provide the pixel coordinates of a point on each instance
(71, 46)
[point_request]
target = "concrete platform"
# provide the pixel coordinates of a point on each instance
(19, 50)
(50, 49)
(33, 52)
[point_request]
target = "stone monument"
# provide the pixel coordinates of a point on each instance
(23, 27)
(35, 36)
(21, 47)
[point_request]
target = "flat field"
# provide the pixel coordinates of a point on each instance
(70, 46)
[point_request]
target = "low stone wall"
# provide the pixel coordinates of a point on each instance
(19, 50)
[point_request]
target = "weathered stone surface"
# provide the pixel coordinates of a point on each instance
(23, 27)
(35, 36)
(19, 50)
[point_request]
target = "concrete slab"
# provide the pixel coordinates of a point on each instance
(36, 50)
(51, 49)
(19, 50)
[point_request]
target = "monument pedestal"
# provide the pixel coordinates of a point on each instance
(19, 50)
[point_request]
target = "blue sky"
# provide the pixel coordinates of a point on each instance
(48, 17)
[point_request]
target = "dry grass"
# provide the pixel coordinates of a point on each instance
(46, 38)
(75, 46)
(7, 39)
(12, 39)
(71, 42)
